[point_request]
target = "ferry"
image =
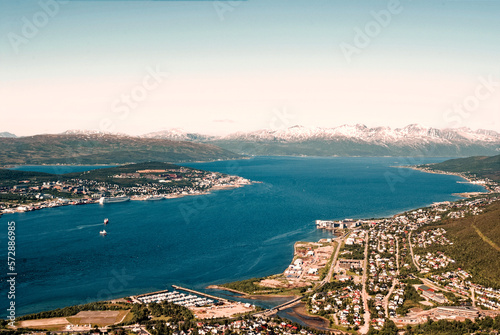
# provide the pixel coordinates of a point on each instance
(110, 200)
(103, 232)
(106, 220)
(155, 197)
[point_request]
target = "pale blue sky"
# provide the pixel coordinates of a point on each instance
(238, 70)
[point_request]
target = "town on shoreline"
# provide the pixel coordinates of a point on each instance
(372, 275)
(28, 191)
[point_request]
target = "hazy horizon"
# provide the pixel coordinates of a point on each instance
(216, 67)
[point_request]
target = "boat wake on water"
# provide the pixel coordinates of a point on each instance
(285, 235)
(85, 226)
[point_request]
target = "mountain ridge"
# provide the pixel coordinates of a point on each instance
(481, 166)
(102, 148)
(297, 133)
(350, 140)
(177, 145)
(7, 134)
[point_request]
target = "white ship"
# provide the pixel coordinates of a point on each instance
(155, 197)
(110, 200)
(103, 233)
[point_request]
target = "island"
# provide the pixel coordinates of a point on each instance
(22, 191)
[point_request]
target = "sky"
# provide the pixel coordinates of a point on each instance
(218, 67)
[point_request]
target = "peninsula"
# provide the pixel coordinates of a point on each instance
(22, 191)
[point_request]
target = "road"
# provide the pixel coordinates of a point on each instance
(328, 277)
(411, 251)
(394, 282)
(397, 254)
(366, 315)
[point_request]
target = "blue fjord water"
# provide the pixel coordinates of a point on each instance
(196, 241)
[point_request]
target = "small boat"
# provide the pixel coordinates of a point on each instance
(106, 220)
(103, 233)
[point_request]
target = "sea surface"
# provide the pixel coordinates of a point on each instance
(196, 241)
(59, 169)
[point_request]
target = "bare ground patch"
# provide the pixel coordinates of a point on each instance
(101, 318)
(43, 323)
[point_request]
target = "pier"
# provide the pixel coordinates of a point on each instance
(150, 293)
(199, 293)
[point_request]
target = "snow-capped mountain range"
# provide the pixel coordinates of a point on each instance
(360, 132)
(346, 140)
(350, 140)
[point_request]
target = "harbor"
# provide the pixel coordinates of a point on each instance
(181, 299)
(204, 306)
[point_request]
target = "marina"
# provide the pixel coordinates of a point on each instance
(204, 306)
(175, 297)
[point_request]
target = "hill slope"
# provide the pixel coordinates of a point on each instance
(482, 166)
(476, 243)
(10, 178)
(103, 149)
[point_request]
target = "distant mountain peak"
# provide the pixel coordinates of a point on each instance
(84, 132)
(177, 134)
(92, 133)
(7, 134)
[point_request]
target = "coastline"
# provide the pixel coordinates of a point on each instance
(457, 174)
(479, 181)
(35, 206)
(296, 309)
(10, 166)
(222, 288)
(300, 311)
(314, 321)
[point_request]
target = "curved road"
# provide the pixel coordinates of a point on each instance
(411, 251)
